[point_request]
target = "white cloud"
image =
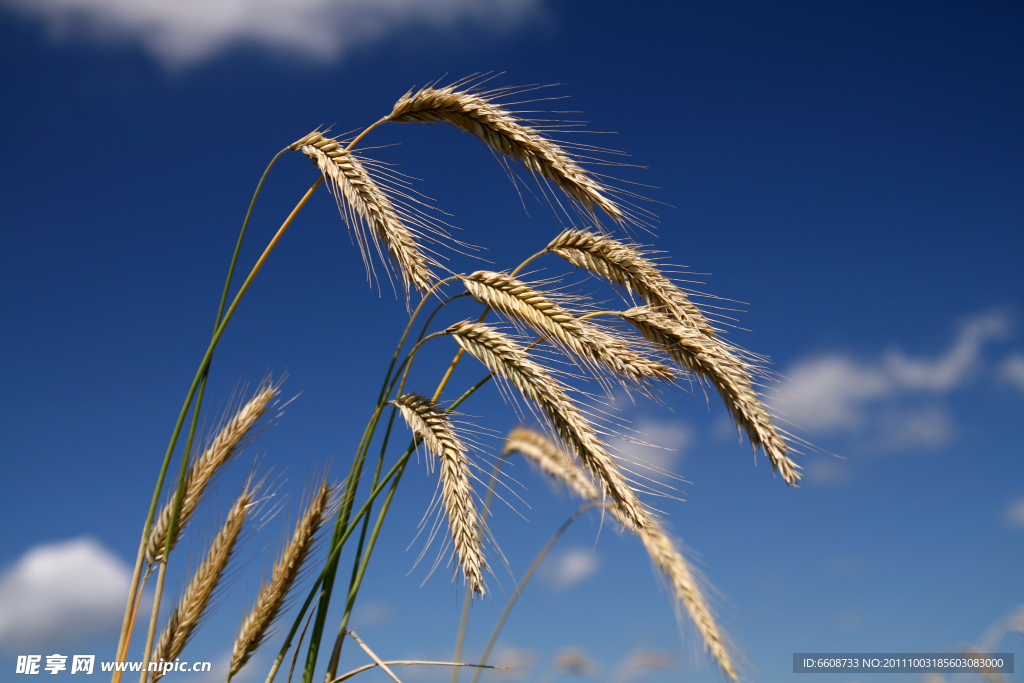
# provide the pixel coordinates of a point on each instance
(1015, 513)
(62, 593)
(373, 613)
(518, 663)
(185, 32)
(639, 662)
(577, 661)
(663, 446)
(569, 567)
(842, 394)
(1012, 371)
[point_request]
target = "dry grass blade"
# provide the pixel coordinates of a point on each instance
(272, 595)
(502, 355)
(477, 114)
(730, 375)
(202, 471)
(523, 302)
(628, 266)
(673, 566)
(183, 621)
(434, 427)
(352, 186)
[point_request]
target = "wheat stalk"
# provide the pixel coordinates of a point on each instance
(519, 300)
(272, 595)
(662, 550)
(476, 113)
(730, 375)
(434, 427)
(628, 266)
(352, 186)
(186, 616)
(202, 471)
(502, 355)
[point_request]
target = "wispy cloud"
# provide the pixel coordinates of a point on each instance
(843, 394)
(1015, 513)
(518, 663)
(1012, 371)
(655, 446)
(569, 567)
(185, 32)
(639, 662)
(576, 661)
(62, 594)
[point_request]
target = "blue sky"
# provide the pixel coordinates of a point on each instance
(853, 173)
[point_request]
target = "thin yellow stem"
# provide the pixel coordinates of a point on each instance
(177, 503)
(360, 136)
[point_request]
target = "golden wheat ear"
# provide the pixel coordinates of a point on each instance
(629, 266)
(663, 551)
(580, 337)
(366, 207)
(505, 357)
(730, 374)
(433, 426)
(478, 114)
(201, 472)
(186, 616)
(273, 594)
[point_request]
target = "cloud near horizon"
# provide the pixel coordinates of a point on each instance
(569, 567)
(840, 394)
(63, 594)
(181, 33)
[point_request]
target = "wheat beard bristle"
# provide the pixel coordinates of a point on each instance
(477, 115)
(220, 450)
(673, 566)
(627, 266)
(273, 594)
(352, 186)
(503, 356)
(522, 302)
(434, 427)
(186, 616)
(729, 374)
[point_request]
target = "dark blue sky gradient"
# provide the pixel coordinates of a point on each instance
(853, 172)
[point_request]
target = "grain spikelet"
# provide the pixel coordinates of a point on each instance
(479, 115)
(220, 450)
(272, 595)
(522, 302)
(502, 355)
(662, 550)
(730, 375)
(354, 188)
(433, 426)
(186, 616)
(628, 266)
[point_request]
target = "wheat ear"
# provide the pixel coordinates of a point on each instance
(519, 300)
(730, 375)
(477, 114)
(186, 616)
(628, 266)
(434, 427)
(202, 471)
(503, 356)
(353, 187)
(665, 554)
(272, 595)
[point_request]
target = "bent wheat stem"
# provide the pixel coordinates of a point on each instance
(131, 609)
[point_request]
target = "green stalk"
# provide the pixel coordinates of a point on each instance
(522, 584)
(203, 368)
(126, 626)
